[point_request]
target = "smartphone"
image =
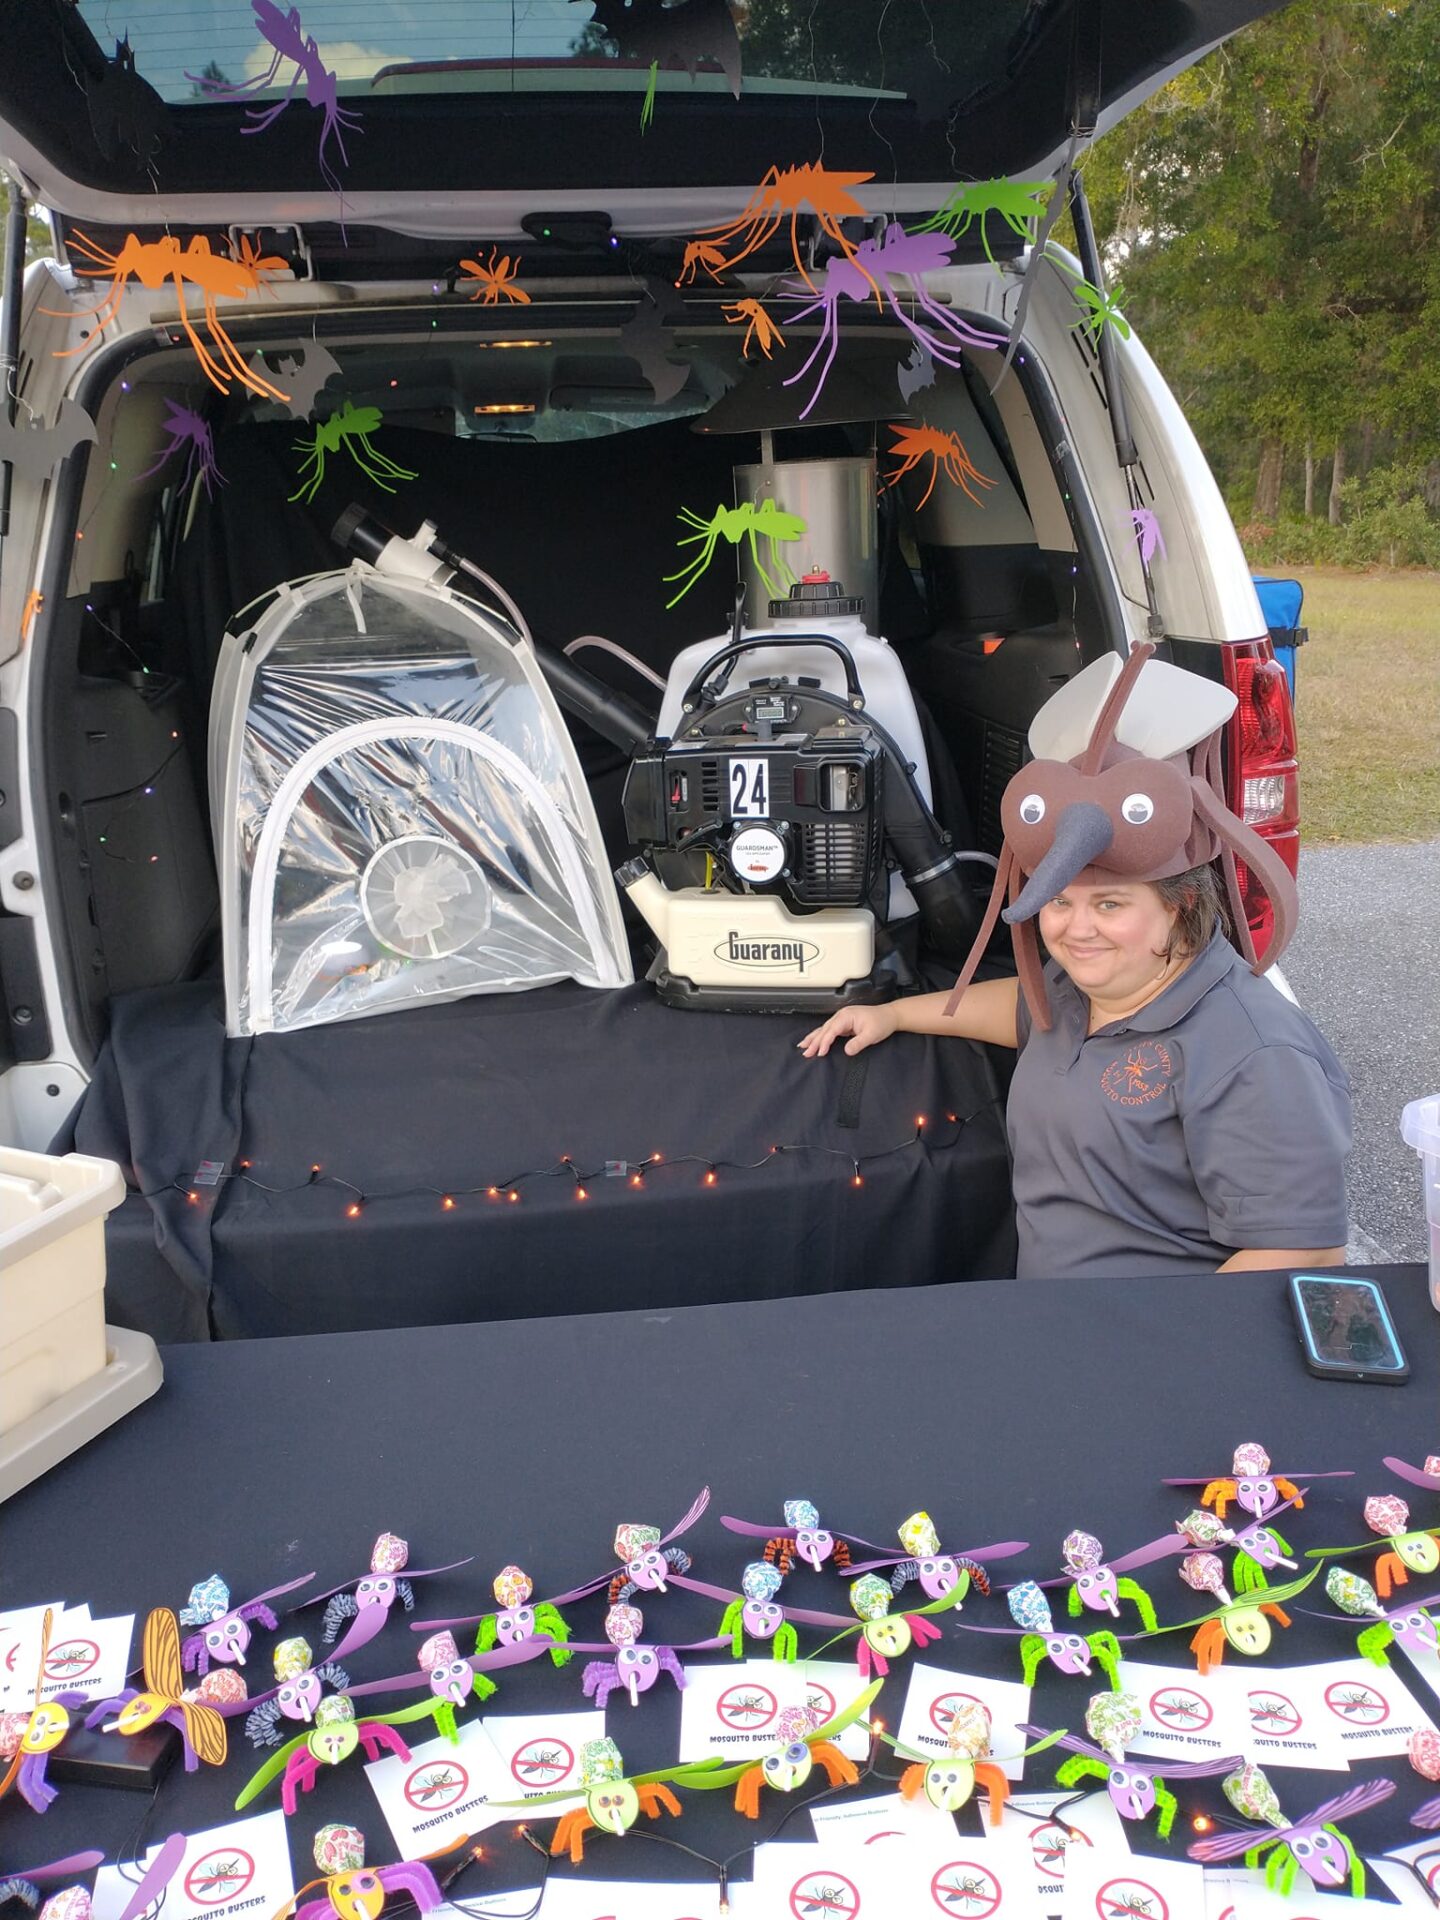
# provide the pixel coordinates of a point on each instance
(1346, 1332)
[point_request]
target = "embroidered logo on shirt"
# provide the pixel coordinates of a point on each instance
(1140, 1074)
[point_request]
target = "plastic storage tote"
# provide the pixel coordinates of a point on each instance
(1420, 1128)
(52, 1275)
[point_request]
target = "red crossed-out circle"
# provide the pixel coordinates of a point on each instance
(1131, 1899)
(1181, 1710)
(1273, 1712)
(824, 1896)
(220, 1875)
(747, 1708)
(819, 1699)
(435, 1785)
(1368, 1707)
(70, 1659)
(1050, 1839)
(964, 1886)
(540, 1763)
(942, 1709)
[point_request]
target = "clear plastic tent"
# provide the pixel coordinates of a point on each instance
(400, 815)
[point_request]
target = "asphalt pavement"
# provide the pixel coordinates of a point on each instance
(1365, 965)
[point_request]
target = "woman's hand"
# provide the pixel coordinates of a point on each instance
(859, 1027)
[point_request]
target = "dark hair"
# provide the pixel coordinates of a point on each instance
(1199, 902)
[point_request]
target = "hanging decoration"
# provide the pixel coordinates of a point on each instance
(291, 46)
(648, 338)
(1018, 204)
(496, 277)
(306, 370)
(680, 36)
(154, 263)
(758, 324)
(945, 452)
(869, 272)
(349, 428)
(781, 195)
(187, 430)
(753, 522)
(126, 113)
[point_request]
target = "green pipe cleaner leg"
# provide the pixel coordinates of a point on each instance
(551, 1623)
(445, 1721)
(647, 107)
(1249, 1574)
(1105, 1648)
(482, 1686)
(1166, 1805)
(1080, 1767)
(1073, 1602)
(732, 1624)
(1374, 1640)
(1129, 1589)
(1032, 1652)
(786, 1642)
(486, 1634)
(1357, 1865)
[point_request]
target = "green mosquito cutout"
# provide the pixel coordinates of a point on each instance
(1098, 309)
(351, 429)
(750, 521)
(1018, 203)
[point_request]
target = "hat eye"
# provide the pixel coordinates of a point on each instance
(1032, 809)
(1137, 808)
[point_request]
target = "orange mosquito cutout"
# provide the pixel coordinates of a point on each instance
(788, 192)
(759, 327)
(944, 451)
(154, 263)
(496, 277)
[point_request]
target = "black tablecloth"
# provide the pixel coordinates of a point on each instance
(1009, 1410)
(446, 1099)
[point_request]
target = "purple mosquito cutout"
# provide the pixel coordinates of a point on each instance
(870, 276)
(1145, 524)
(184, 428)
(284, 33)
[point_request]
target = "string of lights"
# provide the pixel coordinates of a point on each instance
(635, 1173)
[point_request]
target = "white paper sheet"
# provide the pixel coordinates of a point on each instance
(1090, 1824)
(442, 1792)
(540, 1753)
(239, 1869)
(86, 1656)
(1184, 1717)
(1105, 1886)
(932, 1696)
(20, 1632)
(1284, 1720)
(1369, 1707)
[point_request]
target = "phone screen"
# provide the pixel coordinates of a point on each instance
(1348, 1323)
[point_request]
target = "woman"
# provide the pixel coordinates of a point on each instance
(1171, 1111)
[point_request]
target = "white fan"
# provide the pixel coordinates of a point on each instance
(424, 897)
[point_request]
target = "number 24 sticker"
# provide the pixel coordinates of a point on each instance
(749, 790)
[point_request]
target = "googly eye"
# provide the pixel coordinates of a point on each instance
(1137, 808)
(1032, 809)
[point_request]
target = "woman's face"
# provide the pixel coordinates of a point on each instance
(1110, 940)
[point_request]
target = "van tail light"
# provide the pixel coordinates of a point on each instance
(1262, 773)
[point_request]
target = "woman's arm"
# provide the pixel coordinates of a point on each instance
(986, 1012)
(1272, 1259)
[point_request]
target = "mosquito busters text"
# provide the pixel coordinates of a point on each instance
(451, 1814)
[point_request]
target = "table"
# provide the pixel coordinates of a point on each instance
(1008, 1409)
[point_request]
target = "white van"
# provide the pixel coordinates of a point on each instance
(494, 327)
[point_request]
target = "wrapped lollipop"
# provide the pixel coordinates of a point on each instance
(1313, 1845)
(1411, 1625)
(1411, 1550)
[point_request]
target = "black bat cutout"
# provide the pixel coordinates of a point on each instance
(125, 110)
(649, 341)
(34, 450)
(306, 369)
(916, 373)
(680, 36)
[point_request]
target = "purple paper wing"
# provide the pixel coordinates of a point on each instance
(398, 1683)
(1229, 1846)
(752, 1532)
(458, 1620)
(362, 1630)
(1204, 1479)
(584, 1592)
(808, 1618)
(688, 1519)
(1426, 1817)
(1416, 1476)
(274, 1593)
(874, 1566)
(515, 1655)
(1201, 1769)
(1068, 1740)
(704, 1588)
(1356, 1800)
(157, 1876)
(315, 1598)
(1163, 1549)
(424, 1573)
(62, 1869)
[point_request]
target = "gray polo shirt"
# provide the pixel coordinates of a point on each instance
(1214, 1118)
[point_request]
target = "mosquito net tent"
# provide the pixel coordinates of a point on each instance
(399, 811)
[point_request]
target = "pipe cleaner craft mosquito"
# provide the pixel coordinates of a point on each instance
(202, 1729)
(1251, 1485)
(354, 1891)
(1314, 1845)
(296, 1694)
(291, 45)
(1243, 1624)
(225, 1630)
(334, 1736)
(938, 1572)
(949, 1780)
(755, 1613)
(1069, 1653)
(780, 194)
(367, 1607)
(350, 428)
(1259, 1549)
(752, 522)
(869, 273)
(1095, 1584)
(801, 1538)
(451, 1678)
(184, 428)
(1411, 1627)
(634, 1666)
(154, 263)
(1409, 1552)
(518, 1622)
(1020, 204)
(884, 1636)
(1136, 1791)
(614, 1800)
(27, 1739)
(803, 1741)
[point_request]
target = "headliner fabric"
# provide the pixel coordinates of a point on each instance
(483, 1090)
(527, 1442)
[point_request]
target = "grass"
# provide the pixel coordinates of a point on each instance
(1368, 707)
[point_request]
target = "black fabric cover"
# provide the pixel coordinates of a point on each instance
(1011, 1411)
(481, 1091)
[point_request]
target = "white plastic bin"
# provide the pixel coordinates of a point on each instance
(52, 1275)
(1420, 1127)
